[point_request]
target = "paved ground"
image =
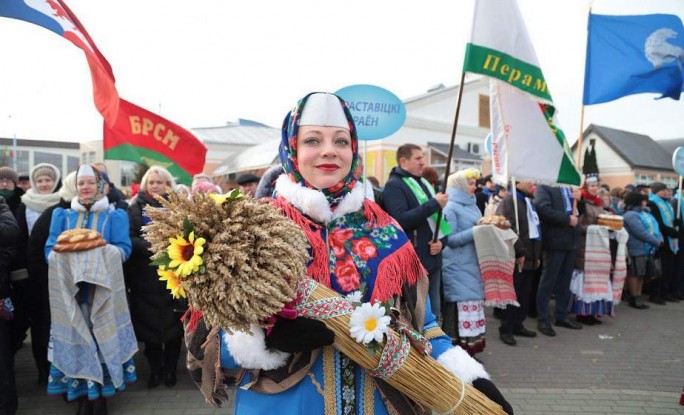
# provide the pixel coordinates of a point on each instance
(633, 364)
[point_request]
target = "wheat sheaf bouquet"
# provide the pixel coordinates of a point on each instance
(240, 261)
(235, 259)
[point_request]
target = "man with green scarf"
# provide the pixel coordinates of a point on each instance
(412, 201)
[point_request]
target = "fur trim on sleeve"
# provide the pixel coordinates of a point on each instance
(462, 365)
(250, 352)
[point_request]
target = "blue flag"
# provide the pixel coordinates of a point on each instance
(633, 54)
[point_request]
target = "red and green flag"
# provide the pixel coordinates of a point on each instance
(145, 137)
(130, 132)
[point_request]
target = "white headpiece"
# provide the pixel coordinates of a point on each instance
(85, 170)
(323, 109)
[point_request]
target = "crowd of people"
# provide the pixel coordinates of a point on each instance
(561, 252)
(85, 323)
(436, 236)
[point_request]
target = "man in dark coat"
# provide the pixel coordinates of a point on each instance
(9, 232)
(528, 257)
(401, 202)
(248, 184)
(663, 289)
(9, 189)
(560, 239)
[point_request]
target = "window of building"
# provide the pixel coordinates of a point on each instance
(7, 158)
(45, 157)
(72, 163)
(483, 119)
(670, 182)
(643, 179)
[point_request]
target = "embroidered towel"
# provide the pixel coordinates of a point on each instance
(79, 351)
(496, 257)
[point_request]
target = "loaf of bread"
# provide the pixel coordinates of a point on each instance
(496, 220)
(614, 222)
(74, 240)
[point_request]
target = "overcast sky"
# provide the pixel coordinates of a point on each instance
(201, 63)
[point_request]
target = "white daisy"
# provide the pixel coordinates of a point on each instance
(368, 322)
(354, 297)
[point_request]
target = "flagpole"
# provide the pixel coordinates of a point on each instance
(579, 139)
(581, 128)
(579, 149)
(451, 153)
(365, 166)
(515, 204)
(514, 189)
(679, 199)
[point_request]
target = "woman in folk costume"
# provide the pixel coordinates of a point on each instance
(358, 251)
(38, 270)
(590, 207)
(463, 314)
(31, 293)
(92, 339)
(155, 314)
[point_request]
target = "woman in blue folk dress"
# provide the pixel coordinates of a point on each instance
(358, 251)
(92, 339)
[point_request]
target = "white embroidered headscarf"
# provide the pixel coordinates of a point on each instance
(459, 180)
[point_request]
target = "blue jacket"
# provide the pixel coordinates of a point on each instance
(400, 202)
(461, 275)
(638, 234)
(111, 224)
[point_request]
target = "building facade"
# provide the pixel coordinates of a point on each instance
(625, 158)
(22, 154)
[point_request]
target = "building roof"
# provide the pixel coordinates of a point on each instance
(670, 145)
(242, 133)
(254, 158)
(459, 154)
(21, 142)
(637, 150)
(471, 79)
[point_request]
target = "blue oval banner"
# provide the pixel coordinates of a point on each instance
(678, 160)
(377, 112)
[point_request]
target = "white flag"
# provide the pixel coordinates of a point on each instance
(526, 140)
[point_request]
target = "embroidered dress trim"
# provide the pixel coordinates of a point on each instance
(471, 318)
(329, 398)
(348, 385)
(433, 332)
(74, 388)
(471, 326)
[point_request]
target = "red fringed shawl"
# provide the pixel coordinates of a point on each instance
(366, 246)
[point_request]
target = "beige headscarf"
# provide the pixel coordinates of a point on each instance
(68, 189)
(459, 180)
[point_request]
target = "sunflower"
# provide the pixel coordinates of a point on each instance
(221, 199)
(173, 283)
(186, 255)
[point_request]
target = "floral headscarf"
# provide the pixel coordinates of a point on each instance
(101, 183)
(288, 152)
